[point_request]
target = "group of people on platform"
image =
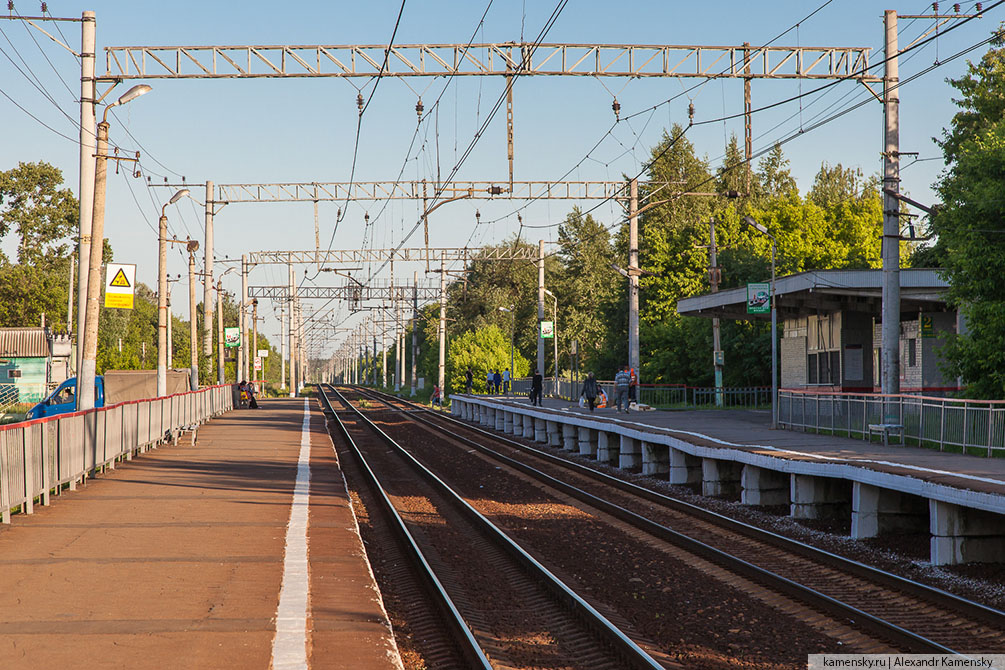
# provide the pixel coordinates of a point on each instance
(626, 383)
(496, 381)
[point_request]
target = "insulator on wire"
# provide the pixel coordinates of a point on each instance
(478, 215)
(45, 8)
(979, 6)
(10, 5)
(935, 7)
(359, 102)
(419, 108)
(690, 113)
(616, 106)
(366, 218)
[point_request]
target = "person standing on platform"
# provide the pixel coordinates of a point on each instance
(590, 390)
(633, 387)
(506, 381)
(488, 383)
(497, 380)
(622, 381)
(536, 387)
(469, 380)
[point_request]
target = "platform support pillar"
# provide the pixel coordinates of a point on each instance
(629, 453)
(528, 427)
(818, 497)
(965, 535)
(587, 441)
(554, 433)
(540, 430)
(568, 437)
(760, 486)
(608, 446)
(875, 511)
(684, 468)
(655, 458)
(720, 478)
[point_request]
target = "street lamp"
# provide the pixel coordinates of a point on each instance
(512, 328)
(89, 359)
(774, 321)
(554, 336)
(162, 293)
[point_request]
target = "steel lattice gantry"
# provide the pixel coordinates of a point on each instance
(357, 257)
(415, 190)
(503, 59)
(352, 293)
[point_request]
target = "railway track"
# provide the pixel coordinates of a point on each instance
(907, 615)
(497, 607)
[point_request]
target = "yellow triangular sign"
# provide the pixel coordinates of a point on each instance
(119, 280)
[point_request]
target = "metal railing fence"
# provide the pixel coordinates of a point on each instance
(41, 456)
(967, 425)
(660, 396)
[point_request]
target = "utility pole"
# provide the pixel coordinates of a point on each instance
(415, 334)
(633, 275)
(540, 308)
(748, 149)
(292, 336)
(890, 331)
(713, 278)
(443, 322)
(221, 349)
(86, 182)
(170, 335)
(282, 345)
(193, 246)
(207, 296)
(69, 305)
(254, 345)
(383, 359)
(242, 369)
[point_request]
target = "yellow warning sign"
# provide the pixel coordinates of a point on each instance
(120, 280)
(119, 300)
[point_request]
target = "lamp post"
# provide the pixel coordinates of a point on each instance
(774, 321)
(512, 328)
(89, 359)
(162, 294)
(554, 336)
(192, 246)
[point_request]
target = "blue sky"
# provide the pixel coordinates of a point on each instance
(304, 130)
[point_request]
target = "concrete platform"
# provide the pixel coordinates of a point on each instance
(177, 559)
(960, 499)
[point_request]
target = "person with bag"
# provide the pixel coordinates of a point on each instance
(536, 387)
(633, 387)
(590, 390)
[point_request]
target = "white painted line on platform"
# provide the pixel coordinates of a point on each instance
(289, 647)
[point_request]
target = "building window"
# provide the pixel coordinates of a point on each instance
(13, 374)
(824, 368)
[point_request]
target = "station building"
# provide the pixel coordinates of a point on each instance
(830, 322)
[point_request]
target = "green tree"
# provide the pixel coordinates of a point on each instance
(484, 349)
(969, 226)
(588, 288)
(42, 216)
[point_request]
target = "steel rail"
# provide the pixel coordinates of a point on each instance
(625, 646)
(470, 648)
(861, 618)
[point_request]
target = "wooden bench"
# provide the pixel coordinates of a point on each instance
(886, 429)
